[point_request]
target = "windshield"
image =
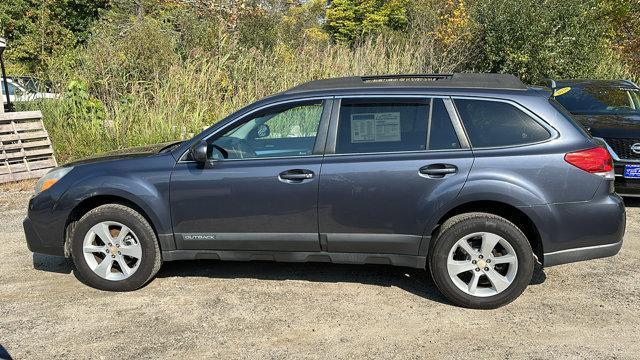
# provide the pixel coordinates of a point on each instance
(584, 99)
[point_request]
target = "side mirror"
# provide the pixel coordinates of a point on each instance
(199, 152)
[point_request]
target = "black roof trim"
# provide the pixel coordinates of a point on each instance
(457, 80)
(399, 77)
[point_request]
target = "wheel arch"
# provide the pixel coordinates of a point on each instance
(95, 201)
(512, 213)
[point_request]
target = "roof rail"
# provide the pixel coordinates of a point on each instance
(406, 77)
(457, 80)
(631, 83)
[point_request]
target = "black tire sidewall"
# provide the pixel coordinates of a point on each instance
(143, 232)
(508, 231)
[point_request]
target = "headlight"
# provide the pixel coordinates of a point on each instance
(51, 178)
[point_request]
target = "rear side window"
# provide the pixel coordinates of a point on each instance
(382, 126)
(494, 123)
(390, 125)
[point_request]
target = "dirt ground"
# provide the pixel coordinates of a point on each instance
(210, 309)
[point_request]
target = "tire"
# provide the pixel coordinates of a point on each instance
(137, 250)
(447, 256)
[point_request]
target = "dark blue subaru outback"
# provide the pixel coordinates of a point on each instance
(473, 176)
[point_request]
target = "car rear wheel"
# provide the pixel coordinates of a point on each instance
(481, 261)
(114, 248)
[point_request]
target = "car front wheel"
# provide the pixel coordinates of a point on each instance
(481, 261)
(114, 248)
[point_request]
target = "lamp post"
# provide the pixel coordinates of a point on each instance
(3, 45)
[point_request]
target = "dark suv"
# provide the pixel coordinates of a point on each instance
(473, 176)
(609, 110)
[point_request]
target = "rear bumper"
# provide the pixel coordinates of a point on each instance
(580, 231)
(581, 254)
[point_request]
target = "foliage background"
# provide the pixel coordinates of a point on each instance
(140, 71)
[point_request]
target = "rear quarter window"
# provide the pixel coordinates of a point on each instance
(569, 117)
(495, 124)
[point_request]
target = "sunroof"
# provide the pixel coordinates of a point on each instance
(406, 77)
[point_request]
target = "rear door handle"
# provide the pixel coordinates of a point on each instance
(436, 171)
(295, 175)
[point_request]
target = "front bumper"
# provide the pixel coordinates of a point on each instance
(45, 225)
(37, 245)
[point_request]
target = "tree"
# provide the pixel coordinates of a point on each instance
(302, 23)
(38, 30)
(623, 16)
(538, 39)
(350, 20)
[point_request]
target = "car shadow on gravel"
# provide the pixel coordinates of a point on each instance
(631, 202)
(414, 281)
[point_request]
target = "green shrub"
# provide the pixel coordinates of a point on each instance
(540, 39)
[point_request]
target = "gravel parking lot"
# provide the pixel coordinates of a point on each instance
(270, 310)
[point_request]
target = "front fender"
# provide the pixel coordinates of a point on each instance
(143, 182)
(149, 202)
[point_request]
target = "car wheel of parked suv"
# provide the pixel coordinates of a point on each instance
(481, 261)
(114, 248)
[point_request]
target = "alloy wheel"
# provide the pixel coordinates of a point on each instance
(112, 250)
(482, 264)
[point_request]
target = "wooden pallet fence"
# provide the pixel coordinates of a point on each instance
(25, 147)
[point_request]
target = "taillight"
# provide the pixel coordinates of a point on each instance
(596, 161)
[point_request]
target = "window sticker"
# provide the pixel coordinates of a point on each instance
(562, 91)
(375, 127)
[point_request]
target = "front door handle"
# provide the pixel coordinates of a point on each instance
(437, 171)
(295, 175)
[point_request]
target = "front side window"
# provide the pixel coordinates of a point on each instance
(494, 123)
(391, 125)
(282, 131)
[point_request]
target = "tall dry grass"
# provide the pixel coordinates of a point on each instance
(200, 91)
(119, 100)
